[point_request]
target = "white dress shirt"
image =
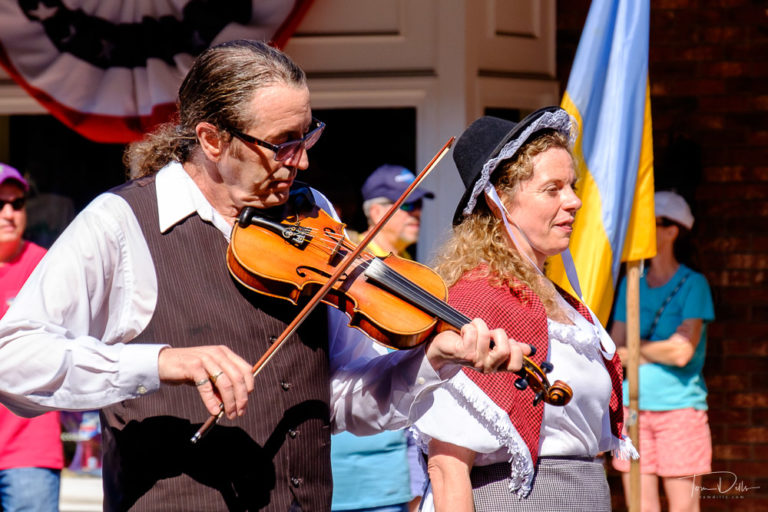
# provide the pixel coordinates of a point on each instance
(65, 342)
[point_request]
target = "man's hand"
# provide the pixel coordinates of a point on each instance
(483, 349)
(221, 376)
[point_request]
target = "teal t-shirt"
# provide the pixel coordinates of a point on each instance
(663, 387)
(369, 471)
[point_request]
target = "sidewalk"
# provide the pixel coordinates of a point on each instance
(80, 493)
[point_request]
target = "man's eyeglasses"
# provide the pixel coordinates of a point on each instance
(17, 204)
(409, 207)
(286, 150)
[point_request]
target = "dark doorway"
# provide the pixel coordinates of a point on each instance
(354, 144)
(62, 162)
(68, 171)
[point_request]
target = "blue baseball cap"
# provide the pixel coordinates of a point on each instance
(9, 173)
(390, 181)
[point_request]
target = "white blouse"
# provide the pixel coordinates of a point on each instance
(462, 414)
(582, 427)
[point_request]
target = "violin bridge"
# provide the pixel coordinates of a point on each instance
(333, 257)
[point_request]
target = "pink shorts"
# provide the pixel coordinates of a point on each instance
(672, 443)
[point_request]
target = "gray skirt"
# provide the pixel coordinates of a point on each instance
(559, 485)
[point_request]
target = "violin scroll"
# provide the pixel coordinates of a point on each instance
(560, 393)
(535, 377)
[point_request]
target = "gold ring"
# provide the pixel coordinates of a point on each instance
(214, 377)
(201, 382)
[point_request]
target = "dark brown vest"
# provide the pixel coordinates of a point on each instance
(273, 458)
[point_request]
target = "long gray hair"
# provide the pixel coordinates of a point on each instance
(217, 89)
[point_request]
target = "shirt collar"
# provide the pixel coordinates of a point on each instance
(178, 197)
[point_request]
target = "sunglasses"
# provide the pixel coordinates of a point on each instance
(17, 204)
(409, 207)
(286, 150)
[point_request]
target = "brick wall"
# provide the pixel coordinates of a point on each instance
(709, 94)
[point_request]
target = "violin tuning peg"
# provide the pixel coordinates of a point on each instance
(533, 351)
(538, 398)
(521, 384)
(546, 367)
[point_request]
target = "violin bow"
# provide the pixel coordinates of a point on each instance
(323, 291)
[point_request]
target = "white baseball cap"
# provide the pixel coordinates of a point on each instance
(673, 207)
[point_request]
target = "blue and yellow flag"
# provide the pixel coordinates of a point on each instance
(608, 95)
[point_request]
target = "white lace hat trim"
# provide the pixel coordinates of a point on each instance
(558, 120)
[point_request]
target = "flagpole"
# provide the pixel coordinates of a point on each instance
(633, 348)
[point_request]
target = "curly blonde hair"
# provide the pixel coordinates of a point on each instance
(481, 238)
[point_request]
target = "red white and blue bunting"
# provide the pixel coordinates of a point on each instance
(110, 70)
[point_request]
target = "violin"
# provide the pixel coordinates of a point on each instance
(397, 302)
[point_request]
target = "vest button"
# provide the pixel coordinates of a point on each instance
(295, 481)
(285, 385)
(292, 433)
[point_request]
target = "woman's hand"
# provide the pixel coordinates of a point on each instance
(479, 347)
(623, 353)
(677, 350)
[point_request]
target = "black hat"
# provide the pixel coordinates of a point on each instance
(481, 145)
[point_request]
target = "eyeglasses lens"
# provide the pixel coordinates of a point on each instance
(17, 204)
(287, 150)
(313, 136)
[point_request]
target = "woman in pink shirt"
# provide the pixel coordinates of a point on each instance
(31, 455)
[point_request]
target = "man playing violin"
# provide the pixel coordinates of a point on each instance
(133, 311)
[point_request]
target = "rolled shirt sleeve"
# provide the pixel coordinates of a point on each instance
(64, 344)
(63, 341)
(373, 390)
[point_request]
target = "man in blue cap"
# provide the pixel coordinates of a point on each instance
(382, 188)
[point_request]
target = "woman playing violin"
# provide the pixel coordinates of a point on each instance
(489, 446)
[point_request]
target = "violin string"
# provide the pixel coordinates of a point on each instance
(328, 240)
(407, 289)
(334, 239)
(410, 290)
(325, 242)
(418, 296)
(438, 306)
(536, 379)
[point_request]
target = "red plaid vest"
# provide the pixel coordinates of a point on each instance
(521, 313)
